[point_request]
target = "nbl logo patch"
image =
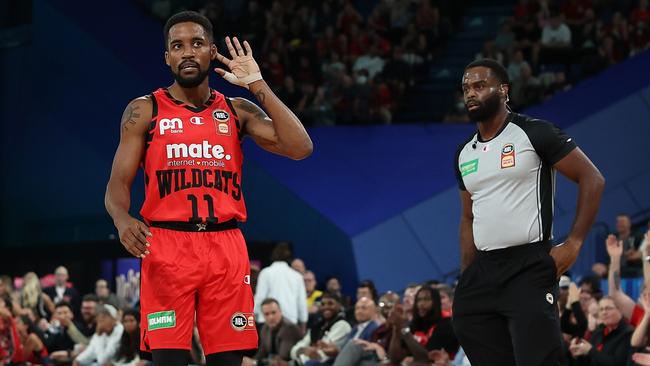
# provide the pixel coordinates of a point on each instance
(507, 156)
(222, 121)
(242, 321)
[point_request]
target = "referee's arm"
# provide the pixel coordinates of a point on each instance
(577, 167)
(467, 247)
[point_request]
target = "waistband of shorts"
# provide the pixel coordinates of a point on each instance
(195, 226)
(516, 251)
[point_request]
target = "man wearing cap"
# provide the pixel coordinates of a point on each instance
(106, 340)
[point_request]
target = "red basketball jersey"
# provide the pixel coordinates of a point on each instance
(193, 161)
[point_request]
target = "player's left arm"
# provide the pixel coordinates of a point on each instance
(280, 132)
(577, 167)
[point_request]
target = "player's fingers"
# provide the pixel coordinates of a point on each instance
(240, 51)
(139, 244)
(129, 248)
(223, 59)
(247, 46)
(144, 229)
(219, 71)
(231, 49)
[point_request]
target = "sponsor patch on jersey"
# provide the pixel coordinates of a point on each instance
(222, 121)
(161, 320)
(196, 120)
(507, 156)
(173, 125)
(469, 167)
(242, 321)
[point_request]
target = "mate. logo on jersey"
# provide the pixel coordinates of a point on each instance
(173, 125)
(508, 156)
(222, 121)
(242, 321)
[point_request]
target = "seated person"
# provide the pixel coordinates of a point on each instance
(105, 342)
(428, 330)
(332, 328)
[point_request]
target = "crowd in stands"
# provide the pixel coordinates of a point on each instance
(300, 323)
(550, 44)
(325, 59)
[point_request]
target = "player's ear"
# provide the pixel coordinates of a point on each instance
(167, 58)
(213, 52)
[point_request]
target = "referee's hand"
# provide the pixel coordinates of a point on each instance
(133, 236)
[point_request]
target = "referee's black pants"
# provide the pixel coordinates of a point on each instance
(505, 308)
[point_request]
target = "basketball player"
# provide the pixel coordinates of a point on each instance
(505, 306)
(187, 137)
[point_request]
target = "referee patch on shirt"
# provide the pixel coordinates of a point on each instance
(469, 167)
(507, 156)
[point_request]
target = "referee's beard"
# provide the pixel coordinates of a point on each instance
(487, 109)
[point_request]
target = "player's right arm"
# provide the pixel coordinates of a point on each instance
(132, 232)
(466, 234)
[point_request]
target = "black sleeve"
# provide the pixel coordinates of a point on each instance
(459, 177)
(550, 143)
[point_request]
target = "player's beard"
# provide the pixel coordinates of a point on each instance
(190, 82)
(486, 110)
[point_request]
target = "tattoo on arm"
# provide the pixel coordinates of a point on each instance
(129, 116)
(252, 109)
(617, 280)
(260, 96)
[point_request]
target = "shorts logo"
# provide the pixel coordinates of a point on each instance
(469, 167)
(161, 320)
(247, 279)
(549, 298)
(507, 156)
(174, 125)
(221, 120)
(242, 321)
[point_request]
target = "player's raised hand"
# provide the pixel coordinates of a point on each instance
(243, 68)
(614, 247)
(133, 236)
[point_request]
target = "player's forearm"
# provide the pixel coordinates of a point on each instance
(590, 189)
(467, 246)
(292, 136)
(117, 200)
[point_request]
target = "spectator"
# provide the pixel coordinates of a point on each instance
(515, 66)
(277, 337)
(10, 346)
(428, 330)
(32, 299)
(62, 290)
(365, 313)
(409, 299)
(556, 41)
(367, 289)
(298, 265)
(105, 295)
(610, 343)
(446, 299)
(640, 14)
(371, 62)
(88, 322)
(505, 39)
(313, 295)
(105, 342)
(631, 259)
(331, 329)
(284, 284)
(526, 90)
(59, 341)
(32, 348)
(128, 352)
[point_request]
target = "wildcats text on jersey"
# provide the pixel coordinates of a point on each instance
(174, 180)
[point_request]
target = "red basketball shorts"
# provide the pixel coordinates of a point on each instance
(197, 277)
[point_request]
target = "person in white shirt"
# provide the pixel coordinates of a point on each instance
(556, 34)
(106, 340)
(284, 284)
(331, 331)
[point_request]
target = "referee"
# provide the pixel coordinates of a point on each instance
(505, 310)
